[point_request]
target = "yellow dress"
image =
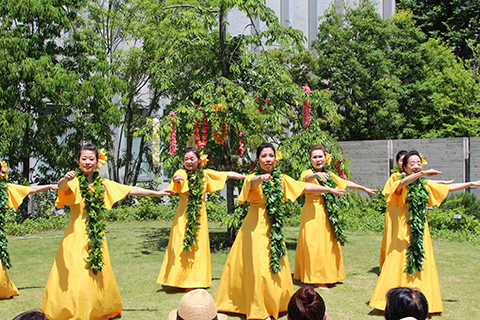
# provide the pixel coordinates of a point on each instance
(318, 258)
(247, 285)
(190, 269)
(16, 194)
(72, 290)
(387, 189)
(397, 239)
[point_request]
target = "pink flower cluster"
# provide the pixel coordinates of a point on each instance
(340, 171)
(307, 117)
(241, 145)
(203, 142)
(173, 136)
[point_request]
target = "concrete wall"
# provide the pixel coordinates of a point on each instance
(457, 158)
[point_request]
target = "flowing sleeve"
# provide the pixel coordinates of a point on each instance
(179, 186)
(114, 192)
(341, 183)
(292, 188)
(396, 199)
(304, 175)
(438, 193)
(71, 196)
(16, 194)
(247, 183)
(388, 185)
(215, 180)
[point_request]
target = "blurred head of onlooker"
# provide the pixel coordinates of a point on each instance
(196, 305)
(31, 315)
(306, 304)
(406, 303)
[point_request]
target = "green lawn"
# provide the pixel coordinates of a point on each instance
(137, 251)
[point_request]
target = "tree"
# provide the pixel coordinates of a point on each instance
(454, 22)
(388, 80)
(53, 94)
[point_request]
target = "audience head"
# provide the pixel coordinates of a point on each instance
(306, 304)
(406, 302)
(31, 315)
(196, 305)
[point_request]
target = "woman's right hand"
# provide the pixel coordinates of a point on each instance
(266, 176)
(69, 176)
(338, 192)
(177, 178)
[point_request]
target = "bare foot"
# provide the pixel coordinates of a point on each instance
(321, 286)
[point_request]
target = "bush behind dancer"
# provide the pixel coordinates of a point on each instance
(81, 284)
(11, 196)
(256, 279)
(318, 258)
(409, 259)
(187, 259)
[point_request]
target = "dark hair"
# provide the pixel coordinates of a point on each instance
(192, 149)
(407, 156)
(400, 154)
(406, 302)
(306, 304)
(317, 147)
(264, 145)
(31, 315)
(88, 147)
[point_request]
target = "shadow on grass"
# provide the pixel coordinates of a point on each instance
(375, 312)
(33, 287)
(375, 270)
(157, 240)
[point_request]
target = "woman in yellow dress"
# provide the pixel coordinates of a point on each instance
(187, 259)
(405, 265)
(256, 279)
(81, 284)
(15, 195)
(318, 258)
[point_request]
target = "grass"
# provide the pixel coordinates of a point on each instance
(137, 250)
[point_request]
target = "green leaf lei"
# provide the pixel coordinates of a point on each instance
(417, 199)
(396, 170)
(93, 196)
(195, 198)
(4, 256)
(332, 207)
(272, 190)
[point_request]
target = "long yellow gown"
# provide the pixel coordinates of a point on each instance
(397, 239)
(16, 194)
(190, 269)
(72, 290)
(318, 258)
(247, 285)
(387, 189)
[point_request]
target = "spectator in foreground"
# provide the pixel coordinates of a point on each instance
(196, 305)
(406, 303)
(306, 304)
(31, 315)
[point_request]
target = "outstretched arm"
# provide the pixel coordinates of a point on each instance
(315, 188)
(413, 177)
(354, 186)
(235, 175)
(37, 189)
(140, 192)
(62, 184)
(322, 175)
(461, 186)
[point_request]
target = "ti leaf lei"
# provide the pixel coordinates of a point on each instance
(332, 207)
(396, 170)
(272, 190)
(417, 199)
(195, 198)
(93, 196)
(4, 256)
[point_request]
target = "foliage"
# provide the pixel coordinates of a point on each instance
(53, 93)
(4, 256)
(453, 21)
(93, 197)
(388, 79)
(466, 200)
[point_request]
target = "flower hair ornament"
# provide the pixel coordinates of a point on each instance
(102, 158)
(4, 256)
(278, 156)
(203, 160)
(424, 162)
(328, 158)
